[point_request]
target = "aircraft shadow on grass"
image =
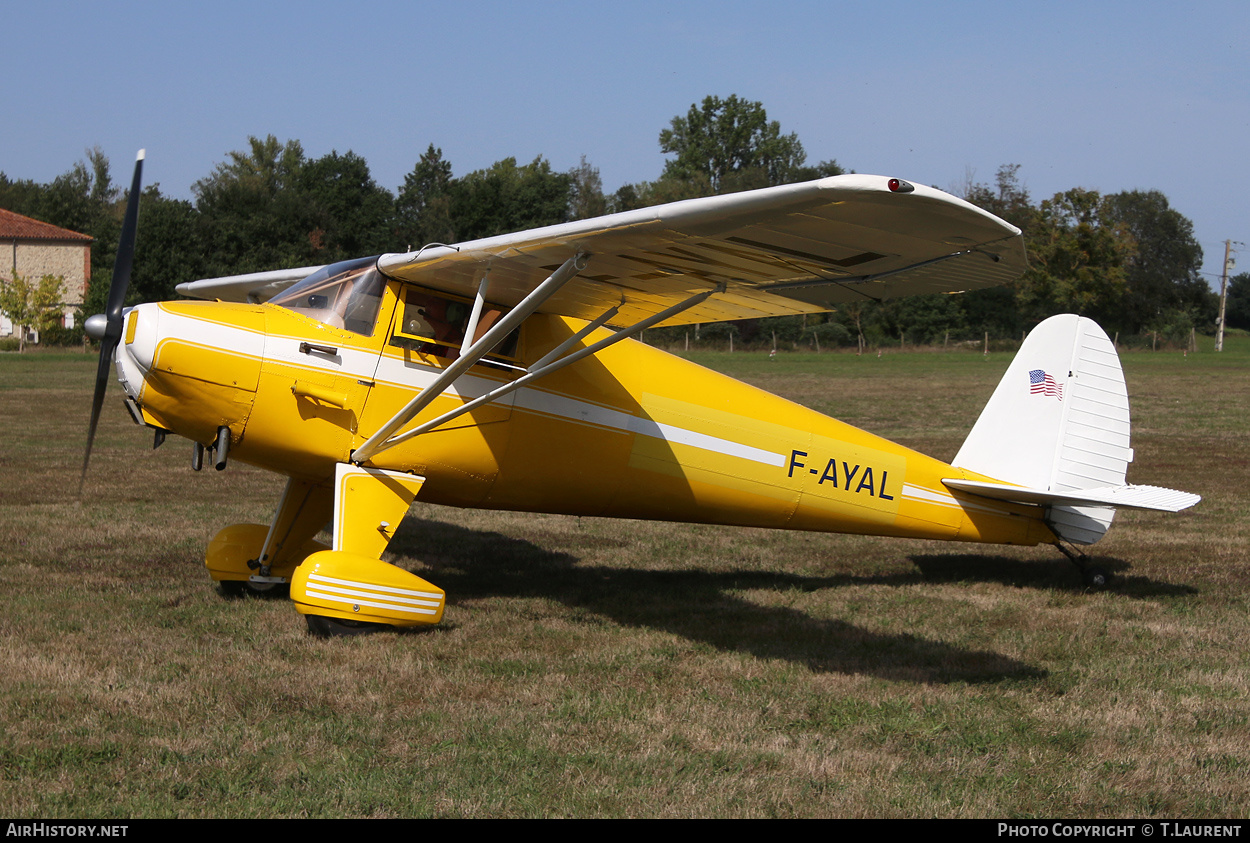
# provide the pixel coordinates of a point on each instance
(697, 605)
(1055, 574)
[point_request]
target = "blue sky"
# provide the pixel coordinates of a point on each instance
(1108, 96)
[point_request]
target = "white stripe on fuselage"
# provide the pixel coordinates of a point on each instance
(228, 338)
(920, 493)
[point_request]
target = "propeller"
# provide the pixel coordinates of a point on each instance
(113, 318)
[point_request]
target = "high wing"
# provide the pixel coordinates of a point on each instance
(799, 248)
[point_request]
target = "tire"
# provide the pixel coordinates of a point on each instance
(324, 627)
(1096, 578)
(247, 588)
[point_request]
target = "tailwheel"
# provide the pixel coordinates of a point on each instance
(325, 627)
(1095, 577)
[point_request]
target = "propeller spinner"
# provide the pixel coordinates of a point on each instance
(109, 333)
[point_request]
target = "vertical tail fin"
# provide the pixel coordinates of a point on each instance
(1058, 422)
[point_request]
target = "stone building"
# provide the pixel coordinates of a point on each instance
(34, 249)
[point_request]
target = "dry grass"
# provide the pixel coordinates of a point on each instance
(599, 668)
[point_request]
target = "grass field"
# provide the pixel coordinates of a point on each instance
(598, 668)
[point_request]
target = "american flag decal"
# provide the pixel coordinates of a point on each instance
(1041, 383)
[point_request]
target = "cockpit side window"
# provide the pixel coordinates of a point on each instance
(435, 324)
(344, 295)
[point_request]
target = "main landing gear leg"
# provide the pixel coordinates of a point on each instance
(259, 560)
(349, 590)
(1095, 577)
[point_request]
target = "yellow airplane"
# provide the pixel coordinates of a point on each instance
(502, 373)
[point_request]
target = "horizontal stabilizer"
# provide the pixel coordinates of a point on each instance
(1129, 497)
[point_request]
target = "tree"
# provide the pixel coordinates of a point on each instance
(169, 250)
(1006, 199)
(586, 199)
(508, 198)
(1076, 260)
(271, 207)
(732, 145)
(1237, 302)
(1162, 273)
(995, 310)
(254, 215)
(645, 194)
(923, 319)
(352, 211)
(819, 171)
(21, 196)
(31, 305)
(423, 207)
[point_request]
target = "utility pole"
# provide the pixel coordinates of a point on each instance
(1229, 263)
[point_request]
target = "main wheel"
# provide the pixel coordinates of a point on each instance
(324, 627)
(247, 588)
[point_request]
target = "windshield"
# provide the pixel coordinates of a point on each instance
(343, 295)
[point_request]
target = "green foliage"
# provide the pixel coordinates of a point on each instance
(645, 194)
(992, 311)
(21, 196)
(1176, 325)
(721, 331)
(423, 207)
(270, 207)
(1128, 260)
(724, 146)
(61, 337)
(253, 213)
(1162, 270)
(730, 145)
(1007, 198)
(1237, 302)
(351, 210)
(586, 199)
(507, 197)
(250, 212)
(818, 171)
(168, 251)
(30, 305)
(923, 319)
(1077, 260)
(824, 334)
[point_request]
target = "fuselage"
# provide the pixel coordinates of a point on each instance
(630, 432)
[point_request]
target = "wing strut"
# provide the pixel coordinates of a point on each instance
(546, 366)
(470, 330)
(567, 271)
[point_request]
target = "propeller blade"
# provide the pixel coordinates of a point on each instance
(113, 311)
(126, 246)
